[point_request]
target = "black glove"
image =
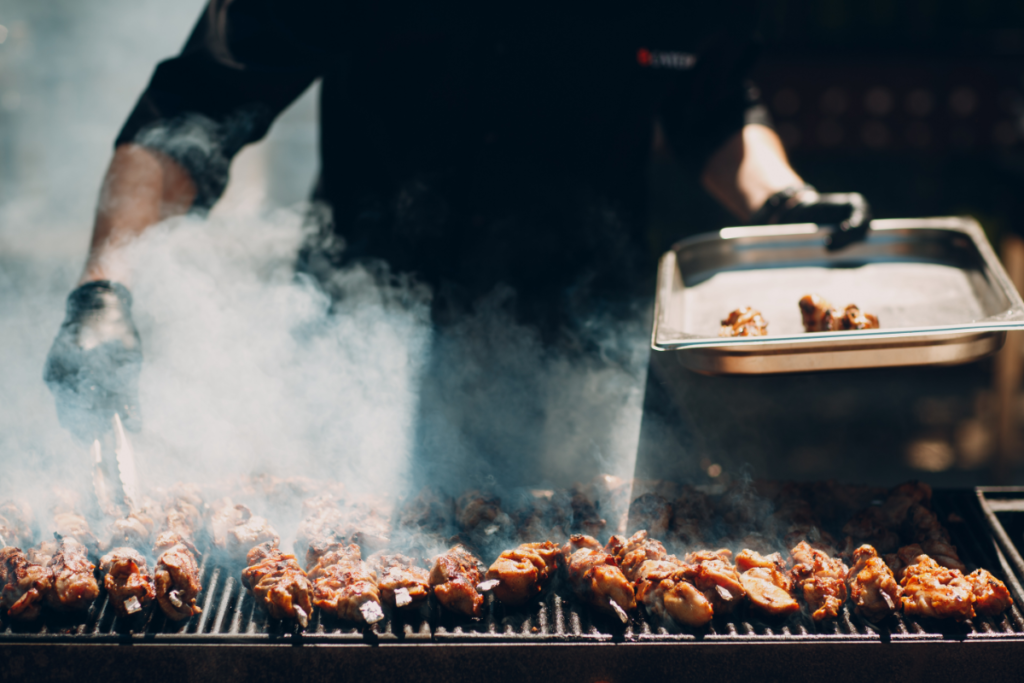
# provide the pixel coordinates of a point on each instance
(847, 213)
(93, 366)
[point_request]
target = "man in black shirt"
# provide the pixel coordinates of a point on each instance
(470, 146)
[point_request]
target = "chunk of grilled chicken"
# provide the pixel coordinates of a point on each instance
(25, 584)
(235, 529)
(871, 525)
(127, 580)
(931, 590)
(820, 316)
(403, 583)
(717, 578)
(595, 576)
(16, 524)
(323, 516)
(454, 578)
(855, 319)
(74, 582)
(873, 588)
(666, 588)
(523, 572)
(663, 583)
(766, 583)
(345, 586)
(991, 597)
(278, 583)
(176, 577)
(744, 322)
(815, 311)
(820, 579)
(134, 530)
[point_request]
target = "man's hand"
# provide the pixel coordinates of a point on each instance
(848, 213)
(93, 365)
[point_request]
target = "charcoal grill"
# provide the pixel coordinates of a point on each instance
(556, 638)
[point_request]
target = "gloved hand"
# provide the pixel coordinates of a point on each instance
(93, 366)
(847, 213)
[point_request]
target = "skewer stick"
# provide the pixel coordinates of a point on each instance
(302, 617)
(371, 611)
(131, 605)
(488, 585)
(175, 600)
(402, 597)
(3, 543)
(619, 611)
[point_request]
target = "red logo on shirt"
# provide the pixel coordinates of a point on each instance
(657, 59)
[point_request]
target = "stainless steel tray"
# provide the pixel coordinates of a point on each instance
(940, 293)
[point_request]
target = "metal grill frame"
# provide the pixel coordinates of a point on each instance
(233, 640)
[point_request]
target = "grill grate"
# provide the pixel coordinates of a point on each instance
(230, 615)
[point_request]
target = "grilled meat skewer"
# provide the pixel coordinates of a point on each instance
(127, 580)
(931, 590)
(74, 582)
(344, 585)
(25, 584)
(821, 580)
(767, 585)
(716, 577)
(523, 572)
(595, 576)
(744, 322)
(402, 583)
(873, 589)
(177, 579)
(661, 581)
(278, 583)
(454, 578)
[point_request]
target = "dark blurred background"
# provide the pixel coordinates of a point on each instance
(919, 105)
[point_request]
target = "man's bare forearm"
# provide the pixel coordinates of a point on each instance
(142, 187)
(748, 169)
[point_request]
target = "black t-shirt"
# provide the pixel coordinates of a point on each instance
(471, 144)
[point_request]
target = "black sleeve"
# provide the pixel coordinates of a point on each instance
(237, 72)
(714, 101)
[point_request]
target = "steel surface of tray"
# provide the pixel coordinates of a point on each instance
(940, 293)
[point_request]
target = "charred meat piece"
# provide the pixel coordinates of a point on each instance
(820, 316)
(544, 513)
(744, 322)
(766, 583)
(873, 589)
(134, 530)
(716, 577)
(345, 586)
(25, 584)
(854, 319)
(430, 511)
(820, 579)
(816, 313)
(176, 574)
(16, 524)
(871, 525)
(177, 580)
(991, 597)
(74, 582)
(402, 583)
(127, 580)
(323, 517)
(931, 590)
(666, 589)
(661, 581)
(454, 578)
(235, 529)
(631, 553)
(692, 513)
(522, 573)
(41, 553)
(278, 583)
(595, 576)
(651, 512)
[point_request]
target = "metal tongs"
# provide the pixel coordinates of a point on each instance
(115, 480)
